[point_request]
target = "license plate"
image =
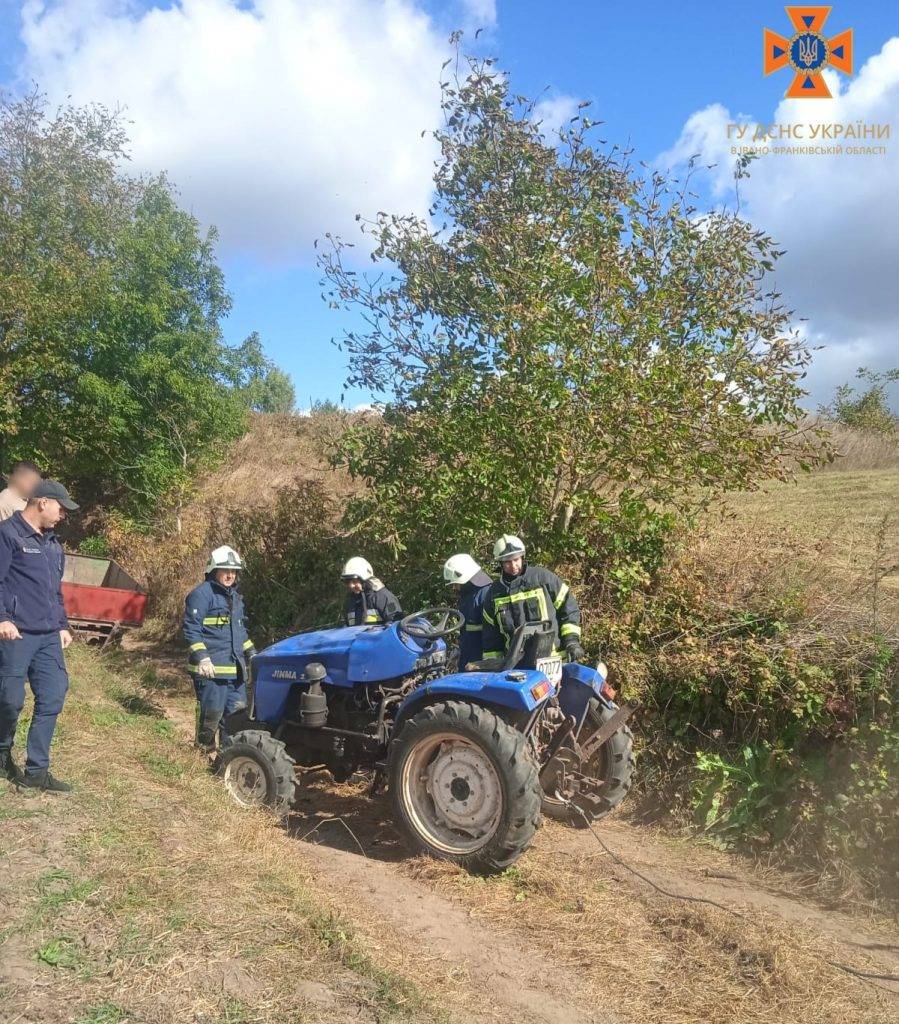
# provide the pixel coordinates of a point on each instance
(551, 668)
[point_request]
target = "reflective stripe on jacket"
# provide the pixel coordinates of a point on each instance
(535, 595)
(373, 606)
(214, 628)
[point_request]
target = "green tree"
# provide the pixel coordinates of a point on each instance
(564, 349)
(114, 374)
(866, 408)
(262, 386)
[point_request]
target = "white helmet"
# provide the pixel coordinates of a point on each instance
(223, 558)
(357, 569)
(460, 569)
(507, 547)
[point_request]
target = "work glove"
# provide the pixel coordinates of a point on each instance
(575, 652)
(206, 669)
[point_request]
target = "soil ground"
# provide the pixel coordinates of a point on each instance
(145, 896)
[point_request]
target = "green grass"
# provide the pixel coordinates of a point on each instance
(162, 767)
(64, 953)
(56, 889)
(105, 1013)
(394, 995)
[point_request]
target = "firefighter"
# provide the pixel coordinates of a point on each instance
(470, 583)
(220, 648)
(528, 593)
(368, 601)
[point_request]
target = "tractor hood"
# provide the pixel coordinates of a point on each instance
(351, 655)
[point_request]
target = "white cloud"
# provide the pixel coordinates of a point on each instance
(836, 215)
(278, 120)
(480, 13)
(554, 112)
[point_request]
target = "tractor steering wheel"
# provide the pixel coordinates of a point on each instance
(449, 621)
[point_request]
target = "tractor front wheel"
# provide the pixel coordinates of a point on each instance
(465, 785)
(258, 771)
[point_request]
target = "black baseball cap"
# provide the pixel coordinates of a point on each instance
(54, 489)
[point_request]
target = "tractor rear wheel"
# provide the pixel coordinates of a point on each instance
(612, 764)
(258, 771)
(464, 785)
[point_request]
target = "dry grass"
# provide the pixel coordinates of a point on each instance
(278, 452)
(662, 960)
(862, 450)
(277, 455)
(151, 898)
(147, 896)
(646, 957)
(835, 532)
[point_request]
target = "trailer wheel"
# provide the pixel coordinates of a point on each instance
(464, 786)
(613, 764)
(257, 771)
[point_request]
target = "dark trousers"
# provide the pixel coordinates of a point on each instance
(38, 658)
(216, 699)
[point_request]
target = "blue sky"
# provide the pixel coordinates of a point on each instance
(350, 86)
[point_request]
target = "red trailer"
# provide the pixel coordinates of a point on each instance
(100, 598)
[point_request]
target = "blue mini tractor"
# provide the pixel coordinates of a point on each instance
(469, 757)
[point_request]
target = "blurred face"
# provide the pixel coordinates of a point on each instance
(513, 566)
(227, 577)
(354, 586)
(24, 482)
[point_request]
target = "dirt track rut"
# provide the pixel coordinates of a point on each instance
(512, 977)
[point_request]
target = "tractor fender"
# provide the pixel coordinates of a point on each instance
(501, 691)
(580, 683)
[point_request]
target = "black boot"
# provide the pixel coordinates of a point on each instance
(9, 769)
(45, 782)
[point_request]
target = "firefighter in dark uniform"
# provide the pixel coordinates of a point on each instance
(368, 601)
(528, 593)
(471, 585)
(220, 647)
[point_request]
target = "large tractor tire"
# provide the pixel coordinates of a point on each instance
(612, 764)
(464, 785)
(257, 771)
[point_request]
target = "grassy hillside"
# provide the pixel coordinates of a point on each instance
(849, 519)
(763, 652)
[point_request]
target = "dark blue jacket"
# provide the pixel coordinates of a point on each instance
(31, 565)
(373, 606)
(471, 604)
(214, 628)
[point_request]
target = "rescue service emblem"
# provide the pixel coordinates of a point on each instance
(807, 52)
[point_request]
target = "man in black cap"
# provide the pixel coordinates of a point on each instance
(34, 631)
